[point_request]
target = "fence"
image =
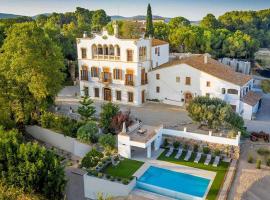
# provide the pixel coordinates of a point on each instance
(202, 137)
(59, 140)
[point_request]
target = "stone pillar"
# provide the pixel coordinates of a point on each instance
(149, 151)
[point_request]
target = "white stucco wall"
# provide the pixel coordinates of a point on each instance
(59, 140)
(93, 186)
(172, 92)
(163, 57)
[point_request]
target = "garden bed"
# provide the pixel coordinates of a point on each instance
(221, 170)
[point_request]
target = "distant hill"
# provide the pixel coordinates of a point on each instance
(6, 15)
(137, 17)
(46, 14)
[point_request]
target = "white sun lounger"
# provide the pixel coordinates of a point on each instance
(198, 157)
(179, 153)
(216, 161)
(169, 153)
(188, 155)
(208, 159)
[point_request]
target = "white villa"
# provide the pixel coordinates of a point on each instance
(129, 71)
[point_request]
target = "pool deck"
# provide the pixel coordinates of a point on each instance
(174, 167)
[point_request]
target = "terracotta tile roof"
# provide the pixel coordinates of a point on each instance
(212, 67)
(251, 98)
(157, 42)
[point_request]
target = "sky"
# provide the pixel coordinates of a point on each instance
(191, 9)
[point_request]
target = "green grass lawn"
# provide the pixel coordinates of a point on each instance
(125, 169)
(220, 170)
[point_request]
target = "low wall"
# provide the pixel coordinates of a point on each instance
(93, 186)
(59, 140)
(202, 137)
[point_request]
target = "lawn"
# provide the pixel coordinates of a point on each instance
(125, 169)
(220, 170)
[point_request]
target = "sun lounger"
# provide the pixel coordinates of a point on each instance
(169, 153)
(198, 157)
(188, 155)
(179, 153)
(216, 161)
(208, 159)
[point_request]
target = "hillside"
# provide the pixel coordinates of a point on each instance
(6, 15)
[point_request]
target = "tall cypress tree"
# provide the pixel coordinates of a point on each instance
(149, 22)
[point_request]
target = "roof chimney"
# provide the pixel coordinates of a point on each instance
(84, 34)
(115, 29)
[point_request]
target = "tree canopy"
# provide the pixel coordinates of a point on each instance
(31, 67)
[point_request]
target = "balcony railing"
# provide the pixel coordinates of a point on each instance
(106, 57)
(106, 77)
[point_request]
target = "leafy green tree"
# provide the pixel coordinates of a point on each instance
(214, 113)
(149, 22)
(161, 30)
(210, 22)
(107, 141)
(99, 20)
(88, 132)
(108, 111)
(265, 84)
(86, 109)
(130, 29)
(31, 64)
(178, 22)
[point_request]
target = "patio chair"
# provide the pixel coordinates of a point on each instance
(114, 163)
(179, 153)
(198, 157)
(216, 161)
(188, 155)
(208, 159)
(169, 153)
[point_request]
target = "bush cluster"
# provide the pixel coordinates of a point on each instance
(60, 123)
(30, 167)
(92, 158)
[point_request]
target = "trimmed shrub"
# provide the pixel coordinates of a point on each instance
(195, 148)
(100, 175)
(206, 150)
(250, 159)
(108, 141)
(176, 144)
(258, 164)
(91, 159)
(165, 143)
(268, 162)
(217, 152)
(125, 181)
(88, 133)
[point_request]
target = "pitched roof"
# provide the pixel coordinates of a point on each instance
(157, 42)
(251, 98)
(212, 67)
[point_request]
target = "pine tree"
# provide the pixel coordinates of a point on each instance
(86, 110)
(149, 22)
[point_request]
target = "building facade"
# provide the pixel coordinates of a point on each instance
(129, 71)
(115, 69)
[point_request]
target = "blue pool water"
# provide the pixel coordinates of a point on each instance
(173, 184)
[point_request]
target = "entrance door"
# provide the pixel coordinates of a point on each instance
(107, 94)
(188, 97)
(143, 96)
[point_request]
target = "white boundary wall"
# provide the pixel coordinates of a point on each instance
(206, 138)
(59, 140)
(93, 186)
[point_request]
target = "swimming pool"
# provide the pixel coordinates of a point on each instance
(173, 184)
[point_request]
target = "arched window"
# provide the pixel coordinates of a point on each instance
(111, 50)
(117, 50)
(105, 49)
(100, 50)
